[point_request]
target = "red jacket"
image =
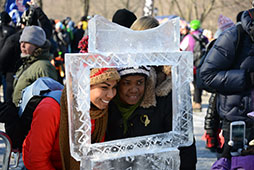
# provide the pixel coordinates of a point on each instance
(41, 146)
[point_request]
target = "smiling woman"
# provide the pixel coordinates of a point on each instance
(49, 133)
(102, 93)
(103, 86)
(134, 111)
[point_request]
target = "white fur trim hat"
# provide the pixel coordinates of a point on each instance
(34, 35)
(134, 70)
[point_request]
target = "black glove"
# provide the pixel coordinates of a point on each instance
(8, 112)
(226, 151)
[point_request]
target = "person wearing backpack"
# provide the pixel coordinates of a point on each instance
(195, 42)
(42, 145)
(228, 70)
(35, 56)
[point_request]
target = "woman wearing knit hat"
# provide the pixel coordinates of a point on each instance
(36, 60)
(139, 108)
(223, 24)
(143, 105)
(47, 143)
(103, 83)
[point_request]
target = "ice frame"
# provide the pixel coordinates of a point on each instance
(101, 155)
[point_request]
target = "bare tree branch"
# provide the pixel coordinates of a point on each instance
(179, 8)
(2, 4)
(207, 10)
(194, 2)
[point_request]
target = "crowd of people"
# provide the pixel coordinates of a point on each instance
(121, 102)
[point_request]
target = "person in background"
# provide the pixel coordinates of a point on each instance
(124, 17)
(212, 125)
(209, 34)
(196, 43)
(35, 55)
(6, 30)
(184, 29)
(229, 71)
(223, 24)
(10, 53)
(62, 38)
(78, 33)
(35, 63)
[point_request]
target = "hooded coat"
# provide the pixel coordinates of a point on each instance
(156, 110)
(226, 69)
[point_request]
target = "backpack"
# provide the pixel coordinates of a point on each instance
(31, 97)
(199, 48)
(200, 84)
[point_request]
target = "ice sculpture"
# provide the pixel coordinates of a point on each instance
(111, 45)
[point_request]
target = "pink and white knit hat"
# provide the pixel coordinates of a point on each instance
(224, 22)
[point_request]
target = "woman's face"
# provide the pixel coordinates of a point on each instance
(27, 48)
(131, 89)
(102, 93)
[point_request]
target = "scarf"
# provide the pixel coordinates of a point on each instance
(101, 120)
(126, 110)
(100, 117)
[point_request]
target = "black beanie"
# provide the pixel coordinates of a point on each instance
(124, 17)
(5, 17)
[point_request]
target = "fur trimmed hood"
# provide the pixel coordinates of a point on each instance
(153, 89)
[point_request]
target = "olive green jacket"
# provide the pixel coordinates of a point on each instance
(33, 67)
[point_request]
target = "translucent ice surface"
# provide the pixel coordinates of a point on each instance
(105, 36)
(158, 150)
(162, 160)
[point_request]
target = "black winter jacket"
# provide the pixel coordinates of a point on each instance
(226, 70)
(155, 109)
(5, 32)
(159, 120)
(10, 53)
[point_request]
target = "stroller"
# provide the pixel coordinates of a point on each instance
(7, 153)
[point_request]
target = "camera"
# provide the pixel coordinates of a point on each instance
(237, 137)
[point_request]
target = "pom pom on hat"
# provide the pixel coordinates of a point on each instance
(224, 22)
(99, 75)
(34, 35)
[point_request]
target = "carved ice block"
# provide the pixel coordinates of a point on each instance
(78, 94)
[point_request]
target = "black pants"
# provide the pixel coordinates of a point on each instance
(188, 157)
(9, 85)
(197, 98)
